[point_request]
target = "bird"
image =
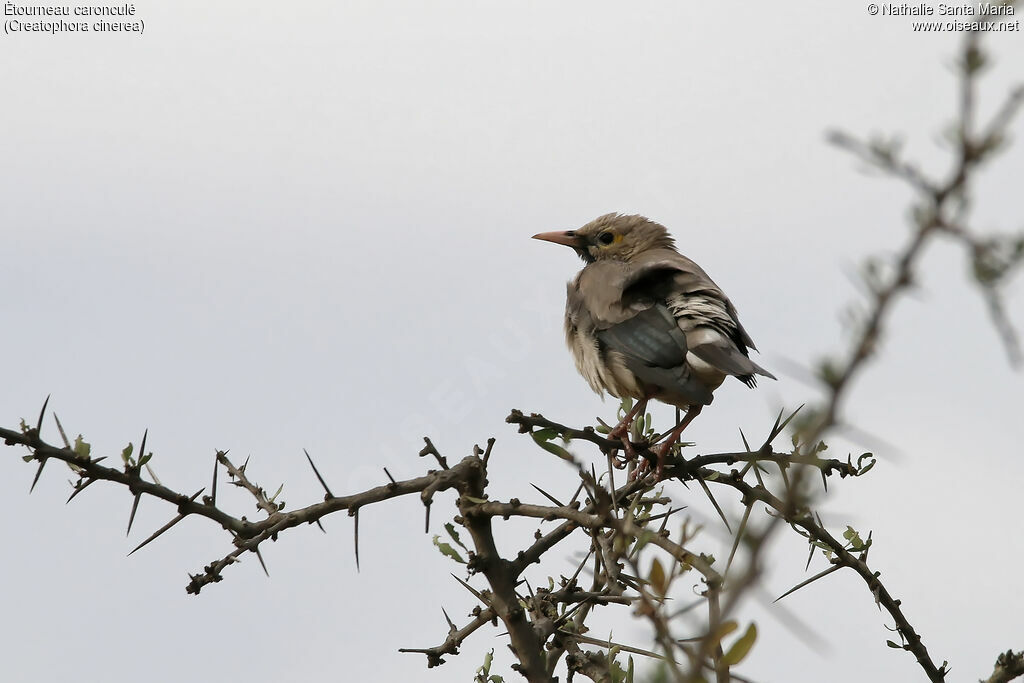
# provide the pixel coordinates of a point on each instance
(645, 322)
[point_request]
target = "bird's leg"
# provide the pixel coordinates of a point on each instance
(666, 446)
(621, 430)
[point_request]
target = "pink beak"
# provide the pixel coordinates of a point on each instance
(567, 237)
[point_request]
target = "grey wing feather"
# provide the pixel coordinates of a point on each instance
(651, 336)
(696, 301)
(654, 349)
(728, 359)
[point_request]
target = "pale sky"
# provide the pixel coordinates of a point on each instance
(268, 227)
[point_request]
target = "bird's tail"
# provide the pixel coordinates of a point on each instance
(751, 380)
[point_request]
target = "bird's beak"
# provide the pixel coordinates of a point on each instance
(567, 237)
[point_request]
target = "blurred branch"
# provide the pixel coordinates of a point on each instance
(1009, 665)
(938, 211)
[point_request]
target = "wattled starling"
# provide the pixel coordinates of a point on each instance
(643, 321)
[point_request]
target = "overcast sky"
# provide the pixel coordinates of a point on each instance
(270, 226)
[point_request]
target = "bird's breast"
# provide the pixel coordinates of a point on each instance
(603, 369)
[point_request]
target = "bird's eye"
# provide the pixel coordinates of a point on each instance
(606, 238)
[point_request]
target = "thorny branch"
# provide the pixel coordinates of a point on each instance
(1009, 665)
(246, 534)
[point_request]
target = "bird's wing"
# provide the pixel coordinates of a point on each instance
(700, 307)
(714, 348)
(654, 349)
(614, 291)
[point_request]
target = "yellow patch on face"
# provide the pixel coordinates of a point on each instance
(618, 238)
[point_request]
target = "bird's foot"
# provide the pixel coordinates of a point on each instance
(640, 471)
(627, 446)
(619, 462)
(666, 446)
(643, 468)
(625, 426)
(662, 453)
(629, 454)
(622, 432)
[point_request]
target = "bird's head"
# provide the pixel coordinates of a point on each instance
(612, 236)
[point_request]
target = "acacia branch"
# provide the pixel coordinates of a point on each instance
(1009, 665)
(247, 534)
(455, 638)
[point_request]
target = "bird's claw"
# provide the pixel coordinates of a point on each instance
(619, 461)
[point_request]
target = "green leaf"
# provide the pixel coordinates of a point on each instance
(126, 453)
(726, 628)
(447, 550)
(28, 458)
(618, 674)
(741, 648)
(893, 645)
(625, 405)
(144, 459)
(81, 447)
(657, 577)
(277, 493)
(484, 669)
(544, 434)
(552, 448)
(450, 528)
(854, 538)
(483, 673)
